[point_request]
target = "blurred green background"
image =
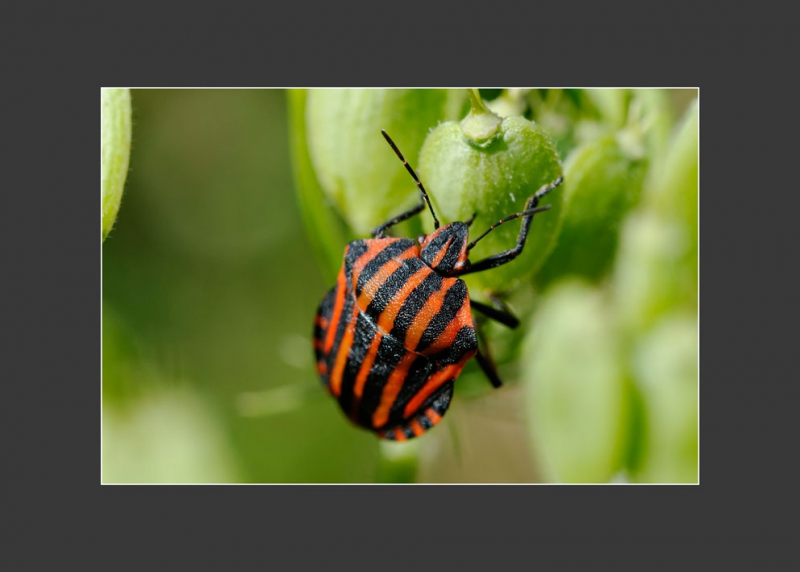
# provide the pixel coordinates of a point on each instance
(221, 253)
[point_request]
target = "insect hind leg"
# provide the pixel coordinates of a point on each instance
(422, 421)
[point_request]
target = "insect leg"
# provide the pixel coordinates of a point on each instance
(503, 316)
(485, 357)
(509, 255)
(488, 367)
(499, 302)
(378, 232)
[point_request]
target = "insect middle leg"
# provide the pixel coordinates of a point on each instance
(503, 316)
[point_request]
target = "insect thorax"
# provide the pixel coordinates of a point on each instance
(445, 250)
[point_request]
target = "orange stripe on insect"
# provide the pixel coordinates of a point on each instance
(399, 435)
(388, 316)
(337, 310)
(344, 351)
(433, 416)
(462, 318)
(463, 256)
(434, 382)
(416, 428)
(385, 325)
(366, 365)
(381, 276)
(439, 255)
(426, 314)
(375, 247)
(391, 389)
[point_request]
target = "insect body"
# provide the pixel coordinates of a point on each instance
(394, 333)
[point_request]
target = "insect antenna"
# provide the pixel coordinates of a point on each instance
(508, 218)
(413, 174)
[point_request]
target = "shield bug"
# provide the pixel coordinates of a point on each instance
(396, 329)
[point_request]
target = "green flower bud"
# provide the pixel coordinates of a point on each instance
(490, 166)
(665, 370)
(354, 165)
(577, 389)
(601, 184)
(115, 148)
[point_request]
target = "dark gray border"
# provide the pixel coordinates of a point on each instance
(54, 294)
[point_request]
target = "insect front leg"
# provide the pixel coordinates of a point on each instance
(379, 232)
(509, 255)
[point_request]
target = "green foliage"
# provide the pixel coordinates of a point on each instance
(115, 148)
(331, 233)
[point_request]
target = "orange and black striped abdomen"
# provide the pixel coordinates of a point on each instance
(391, 337)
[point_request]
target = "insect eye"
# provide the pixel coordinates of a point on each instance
(421, 238)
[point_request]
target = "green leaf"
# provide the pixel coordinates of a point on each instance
(355, 167)
(326, 230)
(115, 148)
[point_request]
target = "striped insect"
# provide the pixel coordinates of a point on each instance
(396, 329)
